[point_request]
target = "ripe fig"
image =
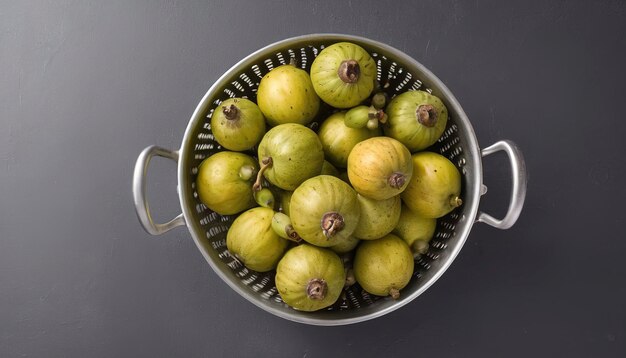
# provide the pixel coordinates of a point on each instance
(338, 139)
(309, 278)
(346, 245)
(286, 95)
(238, 124)
(224, 182)
(416, 118)
(324, 211)
(329, 169)
(252, 240)
(378, 217)
(383, 266)
(343, 74)
(415, 230)
(289, 154)
(379, 167)
(435, 188)
(281, 224)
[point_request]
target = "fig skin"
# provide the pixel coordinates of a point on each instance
(378, 217)
(321, 201)
(435, 188)
(416, 118)
(252, 240)
(296, 155)
(412, 227)
(343, 75)
(380, 167)
(224, 182)
(346, 245)
(309, 278)
(329, 169)
(338, 139)
(238, 124)
(383, 266)
(286, 95)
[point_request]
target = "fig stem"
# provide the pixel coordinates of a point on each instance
(265, 164)
(349, 71)
(455, 201)
(394, 293)
(396, 180)
(332, 223)
(426, 115)
(293, 235)
(231, 112)
(316, 289)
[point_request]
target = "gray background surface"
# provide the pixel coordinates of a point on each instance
(86, 85)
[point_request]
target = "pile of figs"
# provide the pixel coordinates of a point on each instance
(331, 178)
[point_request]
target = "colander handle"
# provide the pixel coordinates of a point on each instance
(518, 193)
(139, 191)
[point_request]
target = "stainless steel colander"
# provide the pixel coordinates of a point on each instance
(398, 72)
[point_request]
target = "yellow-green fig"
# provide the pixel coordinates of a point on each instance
(338, 139)
(435, 187)
(416, 118)
(252, 240)
(309, 278)
(343, 74)
(238, 124)
(286, 95)
(324, 211)
(224, 182)
(289, 154)
(415, 229)
(383, 266)
(378, 217)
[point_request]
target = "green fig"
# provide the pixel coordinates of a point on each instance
(324, 210)
(346, 246)
(435, 188)
(224, 182)
(338, 139)
(286, 95)
(378, 217)
(309, 278)
(289, 154)
(281, 224)
(238, 124)
(383, 266)
(252, 240)
(343, 74)
(416, 118)
(361, 116)
(379, 100)
(285, 200)
(264, 198)
(416, 230)
(329, 169)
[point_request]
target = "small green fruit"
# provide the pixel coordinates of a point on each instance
(384, 266)
(414, 229)
(416, 118)
(286, 95)
(378, 217)
(290, 154)
(224, 182)
(343, 74)
(252, 240)
(309, 278)
(324, 211)
(238, 124)
(338, 139)
(435, 187)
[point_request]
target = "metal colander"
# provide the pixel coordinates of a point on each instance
(397, 72)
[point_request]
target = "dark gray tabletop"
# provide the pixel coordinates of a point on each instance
(85, 86)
